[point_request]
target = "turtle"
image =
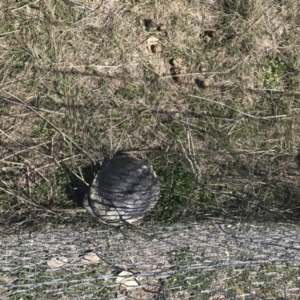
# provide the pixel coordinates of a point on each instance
(123, 191)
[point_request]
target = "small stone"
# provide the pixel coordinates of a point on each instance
(90, 259)
(127, 280)
(57, 262)
(176, 62)
(205, 83)
(161, 27)
(156, 48)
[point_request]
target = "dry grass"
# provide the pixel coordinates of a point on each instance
(80, 81)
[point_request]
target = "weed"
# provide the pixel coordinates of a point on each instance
(274, 72)
(177, 185)
(129, 94)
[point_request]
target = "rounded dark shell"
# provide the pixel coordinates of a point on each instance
(122, 191)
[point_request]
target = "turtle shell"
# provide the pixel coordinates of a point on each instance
(122, 191)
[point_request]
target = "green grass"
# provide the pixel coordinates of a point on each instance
(238, 280)
(77, 87)
(251, 280)
(193, 282)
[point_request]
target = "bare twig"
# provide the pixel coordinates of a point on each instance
(23, 200)
(239, 111)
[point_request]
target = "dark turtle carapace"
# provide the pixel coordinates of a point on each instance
(124, 189)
